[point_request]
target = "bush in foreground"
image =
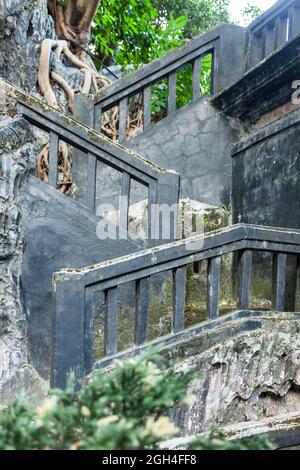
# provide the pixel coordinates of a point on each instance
(126, 408)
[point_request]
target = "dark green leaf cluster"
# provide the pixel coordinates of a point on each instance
(125, 408)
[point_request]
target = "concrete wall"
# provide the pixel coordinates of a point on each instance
(194, 141)
(266, 180)
(58, 233)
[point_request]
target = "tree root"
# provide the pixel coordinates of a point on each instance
(110, 119)
(91, 79)
(64, 166)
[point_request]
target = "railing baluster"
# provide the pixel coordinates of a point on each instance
(196, 78)
(256, 53)
(269, 40)
(294, 21)
(281, 31)
(91, 182)
(179, 291)
(278, 281)
(147, 107)
(213, 287)
(172, 92)
(123, 109)
(124, 202)
(244, 279)
(88, 330)
(111, 321)
(53, 159)
(141, 311)
(152, 201)
(98, 118)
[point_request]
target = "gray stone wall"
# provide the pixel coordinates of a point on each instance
(194, 141)
(266, 180)
(17, 160)
(23, 25)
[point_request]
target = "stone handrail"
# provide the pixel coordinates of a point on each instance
(273, 29)
(162, 185)
(74, 290)
(222, 41)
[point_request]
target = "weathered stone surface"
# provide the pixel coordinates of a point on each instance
(17, 160)
(24, 24)
(194, 141)
(250, 376)
(266, 175)
(58, 233)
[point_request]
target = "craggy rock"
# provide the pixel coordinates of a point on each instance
(23, 25)
(17, 160)
(249, 376)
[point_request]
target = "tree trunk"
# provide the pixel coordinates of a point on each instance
(73, 20)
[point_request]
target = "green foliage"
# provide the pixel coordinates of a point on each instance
(129, 32)
(126, 408)
(251, 12)
(201, 14)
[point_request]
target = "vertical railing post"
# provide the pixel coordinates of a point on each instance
(111, 321)
(213, 287)
(123, 110)
(231, 45)
(278, 281)
(196, 78)
(53, 159)
(88, 330)
(141, 311)
(68, 341)
(294, 21)
(152, 206)
(255, 49)
(97, 120)
(164, 228)
(179, 292)
(124, 202)
(244, 279)
(91, 182)
(82, 166)
(269, 39)
(281, 30)
(172, 92)
(147, 107)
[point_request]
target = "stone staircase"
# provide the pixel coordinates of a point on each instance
(117, 281)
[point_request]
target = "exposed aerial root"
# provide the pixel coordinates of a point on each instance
(91, 78)
(60, 47)
(64, 167)
(42, 164)
(44, 73)
(68, 90)
(134, 121)
(86, 88)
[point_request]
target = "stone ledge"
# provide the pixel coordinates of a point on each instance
(265, 87)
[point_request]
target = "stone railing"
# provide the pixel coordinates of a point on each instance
(74, 292)
(162, 185)
(226, 45)
(273, 29)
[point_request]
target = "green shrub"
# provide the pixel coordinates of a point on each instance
(125, 408)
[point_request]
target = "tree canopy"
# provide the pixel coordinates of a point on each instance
(137, 31)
